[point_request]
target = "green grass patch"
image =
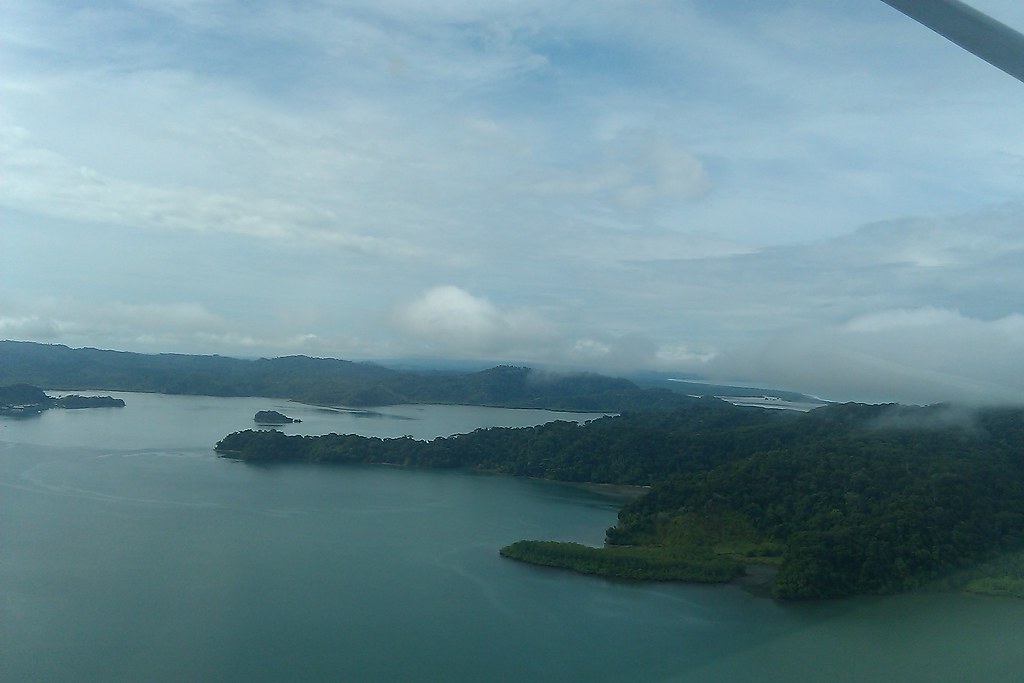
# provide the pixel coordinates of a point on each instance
(1002, 576)
(1007, 586)
(690, 546)
(637, 563)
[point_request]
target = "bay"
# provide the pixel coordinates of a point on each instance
(130, 552)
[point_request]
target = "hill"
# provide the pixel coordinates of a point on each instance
(324, 381)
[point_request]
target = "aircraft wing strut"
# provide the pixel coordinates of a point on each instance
(978, 33)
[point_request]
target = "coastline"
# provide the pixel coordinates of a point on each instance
(626, 492)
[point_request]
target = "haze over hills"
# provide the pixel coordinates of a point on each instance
(331, 381)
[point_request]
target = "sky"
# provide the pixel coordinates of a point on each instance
(824, 197)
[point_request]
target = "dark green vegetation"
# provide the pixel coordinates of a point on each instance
(1001, 576)
(846, 499)
(696, 547)
(322, 381)
(647, 563)
(866, 498)
(272, 417)
(639, 448)
(24, 399)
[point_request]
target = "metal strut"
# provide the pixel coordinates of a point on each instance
(993, 41)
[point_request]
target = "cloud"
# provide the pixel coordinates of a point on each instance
(683, 357)
(626, 353)
(939, 417)
(635, 169)
(948, 242)
(29, 327)
(922, 355)
(675, 185)
(451, 320)
(901, 319)
(42, 181)
(181, 327)
(71, 321)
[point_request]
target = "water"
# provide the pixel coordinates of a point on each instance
(130, 552)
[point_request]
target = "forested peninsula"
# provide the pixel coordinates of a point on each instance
(24, 399)
(843, 500)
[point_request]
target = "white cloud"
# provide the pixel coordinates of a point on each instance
(626, 353)
(71, 321)
(173, 316)
(39, 180)
(29, 327)
(180, 327)
(634, 169)
(656, 185)
(924, 355)
(683, 357)
(451, 319)
(884, 321)
(613, 353)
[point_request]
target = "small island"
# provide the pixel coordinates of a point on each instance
(272, 417)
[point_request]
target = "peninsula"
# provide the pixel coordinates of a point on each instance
(843, 500)
(24, 399)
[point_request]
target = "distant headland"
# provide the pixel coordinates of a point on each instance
(272, 417)
(25, 399)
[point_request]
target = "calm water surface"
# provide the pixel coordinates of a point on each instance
(130, 552)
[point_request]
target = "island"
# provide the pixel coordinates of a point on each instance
(272, 417)
(847, 499)
(25, 399)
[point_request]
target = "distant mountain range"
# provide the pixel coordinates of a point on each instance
(329, 381)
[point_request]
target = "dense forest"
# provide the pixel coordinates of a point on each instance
(25, 399)
(327, 381)
(845, 499)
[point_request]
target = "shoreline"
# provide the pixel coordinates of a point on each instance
(620, 491)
